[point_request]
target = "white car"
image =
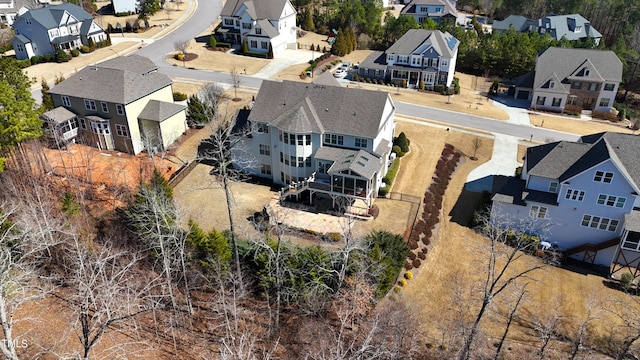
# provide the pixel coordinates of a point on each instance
(346, 66)
(340, 73)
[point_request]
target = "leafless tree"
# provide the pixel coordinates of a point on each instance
(627, 332)
(235, 82)
(107, 290)
(519, 292)
(508, 243)
(226, 152)
(182, 45)
(476, 144)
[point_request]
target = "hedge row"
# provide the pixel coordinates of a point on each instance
(390, 177)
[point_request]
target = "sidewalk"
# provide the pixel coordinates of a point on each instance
(283, 61)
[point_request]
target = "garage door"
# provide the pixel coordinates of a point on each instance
(523, 94)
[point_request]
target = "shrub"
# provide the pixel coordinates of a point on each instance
(402, 282)
(178, 56)
(573, 110)
(49, 58)
(626, 281)
(374, 211)
(396, 149)
(75, 52)
(334, 236)
(391, 173)
(604, 116)
(416, 263)
(408, 275)
(518, 171)
(404, 83)
(402, 142)
(178, 96)
(24, 63)
(438, 88)
(85, 49)
(383, 191)
(36, 60)
(397, 288)
(421, 85)
(62, 56)
(456, 85)
(256, 54)
(212, 41)
(223, 45)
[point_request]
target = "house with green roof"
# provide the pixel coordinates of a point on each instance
(580, 196)
(122, 104)
(46, 30)
(584, 78)
(419, 55)
(332, 141)
(261, 23)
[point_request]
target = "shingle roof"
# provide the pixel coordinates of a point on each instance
(563, 160)
(160, 111)
(572, 27)
(444, 43)
(564, 62)
(358, 161)
(514, 191)
(111, 85)
(58, 115)
(327, 79)
(49, 16)
(519, 22)
(135, 63)
(304, 107)
(258, 9)
(266, 26)
(632, 221)
(447, 7)
(375, 60)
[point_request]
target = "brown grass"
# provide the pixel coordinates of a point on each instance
(575, 126)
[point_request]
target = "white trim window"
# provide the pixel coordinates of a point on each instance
(265, 149)
(105, 108)
(65, 101)
(611, 200)
(599, 222)
(122, 130)
(361, 142)
(90, 105)
(575, 195)
(333, 139)
(83, 124)
(632, 242)
(265, 169)
(603, 176)
(539, 212)
(553, 187)
(120, 109)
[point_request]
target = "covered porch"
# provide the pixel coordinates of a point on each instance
(406, 73)
(231, 36)
(68, 42)
(60, 125)
(627, 256)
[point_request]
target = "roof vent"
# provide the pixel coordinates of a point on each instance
(327, 109)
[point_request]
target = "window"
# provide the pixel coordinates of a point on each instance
(228, 22)
(603, 176)
(264, 45)
(553, 187)
(587, 72)
(293, 160)
(121, 130)
(265, 169)
(444, 62)
(307, 139)
(572, 100)
(83, 124)
(254, 44)
(597, 222)
(90, 105)
(333, 139)
(307, 162)
(538, 211)
(552, 84)
(611, 200)
(104, 107)
(361, 143)
(323, 166)
(593, 87)
(300, 161)
(576, 85)
(286, 138)
(19, 47)
(540, 100)
(120, 109)
(65, 101)
(246, 25)
(609, 87)
(265, 150)
(556, 102)
(632, 241)
(300, 140)
(263, 128)
(575, 195)
(258, 31)
(604, 102)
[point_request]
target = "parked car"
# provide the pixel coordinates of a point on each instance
(345, 66)
(340, 73)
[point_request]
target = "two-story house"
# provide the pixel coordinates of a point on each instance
(580, 77)
(262, 24)
(436, 10)
(419, 55)
(45, 30)
(571, 27)
(124, 6)
(581, 196)
(11, 9)
(334, 141)
(121, 104)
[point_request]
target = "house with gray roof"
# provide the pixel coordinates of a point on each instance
(571, 27)
(419, 55)
(119, 107)
(436, 10)
(46, 30)
(584, 78)
(334, 142)
(581, 196)
(11, 9)
(261, 23)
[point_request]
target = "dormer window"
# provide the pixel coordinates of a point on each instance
(552, 84)
(578, 29)
(258, 31)
(586, 72)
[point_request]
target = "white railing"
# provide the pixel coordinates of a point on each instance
(297, 186)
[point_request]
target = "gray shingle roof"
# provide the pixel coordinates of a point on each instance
(111, 85)
(49, 16)
(317, 108)
(519, 22)
(135, 63)
(448, 9)
(268, 29)
(358, 161)
(572, 27)
(564, 63)
(563, 160)
(444, 43)
(258, 9)
(327, 79)
(377, 60)
(514, 191)
(632, 221)
(160, 110)
(58, 115)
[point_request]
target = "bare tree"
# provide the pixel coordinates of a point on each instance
(182, 45)
(508, 243)
(107, 290)
(592, 303)
(476, 144)
(520, 293)
(235, 82)
(226, 152)
(546, 323)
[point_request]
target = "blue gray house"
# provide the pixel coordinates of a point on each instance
(45, 30)
(583, 196)
(571, 27)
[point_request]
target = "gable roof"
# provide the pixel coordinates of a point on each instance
(565, 63)
(519, 22)
(571, 27)
(111, 84)
(49, 16)
(135, 63)
(326, 78)
(58, 115)
(257, 9)
(564, 159)
(443, 43)
(447, 7)
(357, 161)
(301, 107)
(160, 111)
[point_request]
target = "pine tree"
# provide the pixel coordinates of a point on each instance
(245, 47)
(353, 41)
(47, 101)
(308, 21)
(195, 111)
(270, 54)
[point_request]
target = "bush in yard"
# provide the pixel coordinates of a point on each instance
(403, 142)
(396, 149)
(85, 49)
(212, 41)
(408, 275)
(421, 85)
(423, 254)
(456, 85)
(412, 256)
(626, 281)
(75, 52)
(62, 56)
(416, 263)
(178, 56)
(402, 282)
(178, 96)
(407, 265)
(391, 173)
(404, 83)
(334, 236)
(438, 88)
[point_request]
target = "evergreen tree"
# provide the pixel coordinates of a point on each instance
(308, 24)
(353, 41)
(270, 53)
(245, 47)
(147, 8)
(196, 113)
(402, 142)
(212, 41)
(47, 101)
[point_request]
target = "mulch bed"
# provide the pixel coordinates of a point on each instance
(190, 56)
